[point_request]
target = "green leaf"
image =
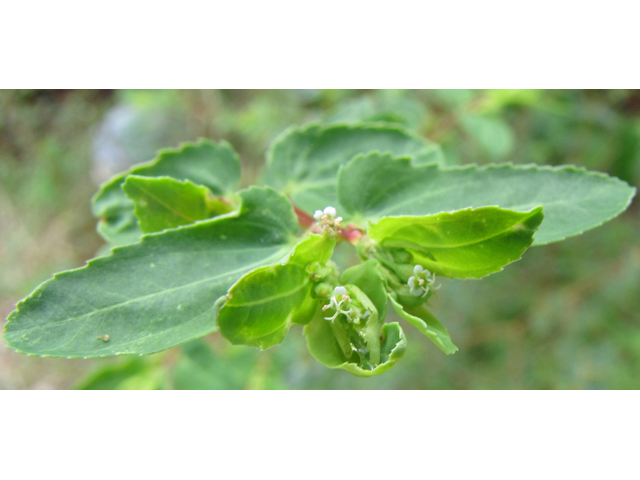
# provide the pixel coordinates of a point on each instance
(263, 304)
(325, 346)
(424, 321)
(164, 202)
(303, 162)
(468, 243)
(155, 294)
(214, 165)
(574, 200)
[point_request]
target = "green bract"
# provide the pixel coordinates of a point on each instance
(192, 255)
(363, 345)
(434, 330)
(468, 243)
(264, 303)
(163, 202)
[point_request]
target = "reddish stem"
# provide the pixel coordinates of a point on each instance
(304, 218)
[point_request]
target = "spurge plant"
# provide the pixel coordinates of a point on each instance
(192, 255)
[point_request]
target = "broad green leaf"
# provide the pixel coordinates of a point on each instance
(164, 202)
(158, 293)
(424, 321)
(303, 162)
(468, 243)
(367, 278)
(214, 165)
(574, 200)
(263, 304)
(325, 346)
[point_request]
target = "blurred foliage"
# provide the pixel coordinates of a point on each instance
(565, 316)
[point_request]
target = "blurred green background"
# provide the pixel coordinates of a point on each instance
(566, 316)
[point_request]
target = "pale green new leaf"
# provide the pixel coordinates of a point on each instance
(214, 165)
(574, 199)
(468, 243)
(424, 321)
(392, 347)
(324, 346)
(331, 342)
(164, 202)
(263, 304)
(158, 293)
(303, 162)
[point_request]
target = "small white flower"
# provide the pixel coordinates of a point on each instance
(339, 292)
(341, 303)
(420, 283)
(327, 220)
(330, 211)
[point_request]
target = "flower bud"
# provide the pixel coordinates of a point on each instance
(323, 289)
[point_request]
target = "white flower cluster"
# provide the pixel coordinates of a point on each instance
(420, 283)
(327, 219)
(341, 302)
